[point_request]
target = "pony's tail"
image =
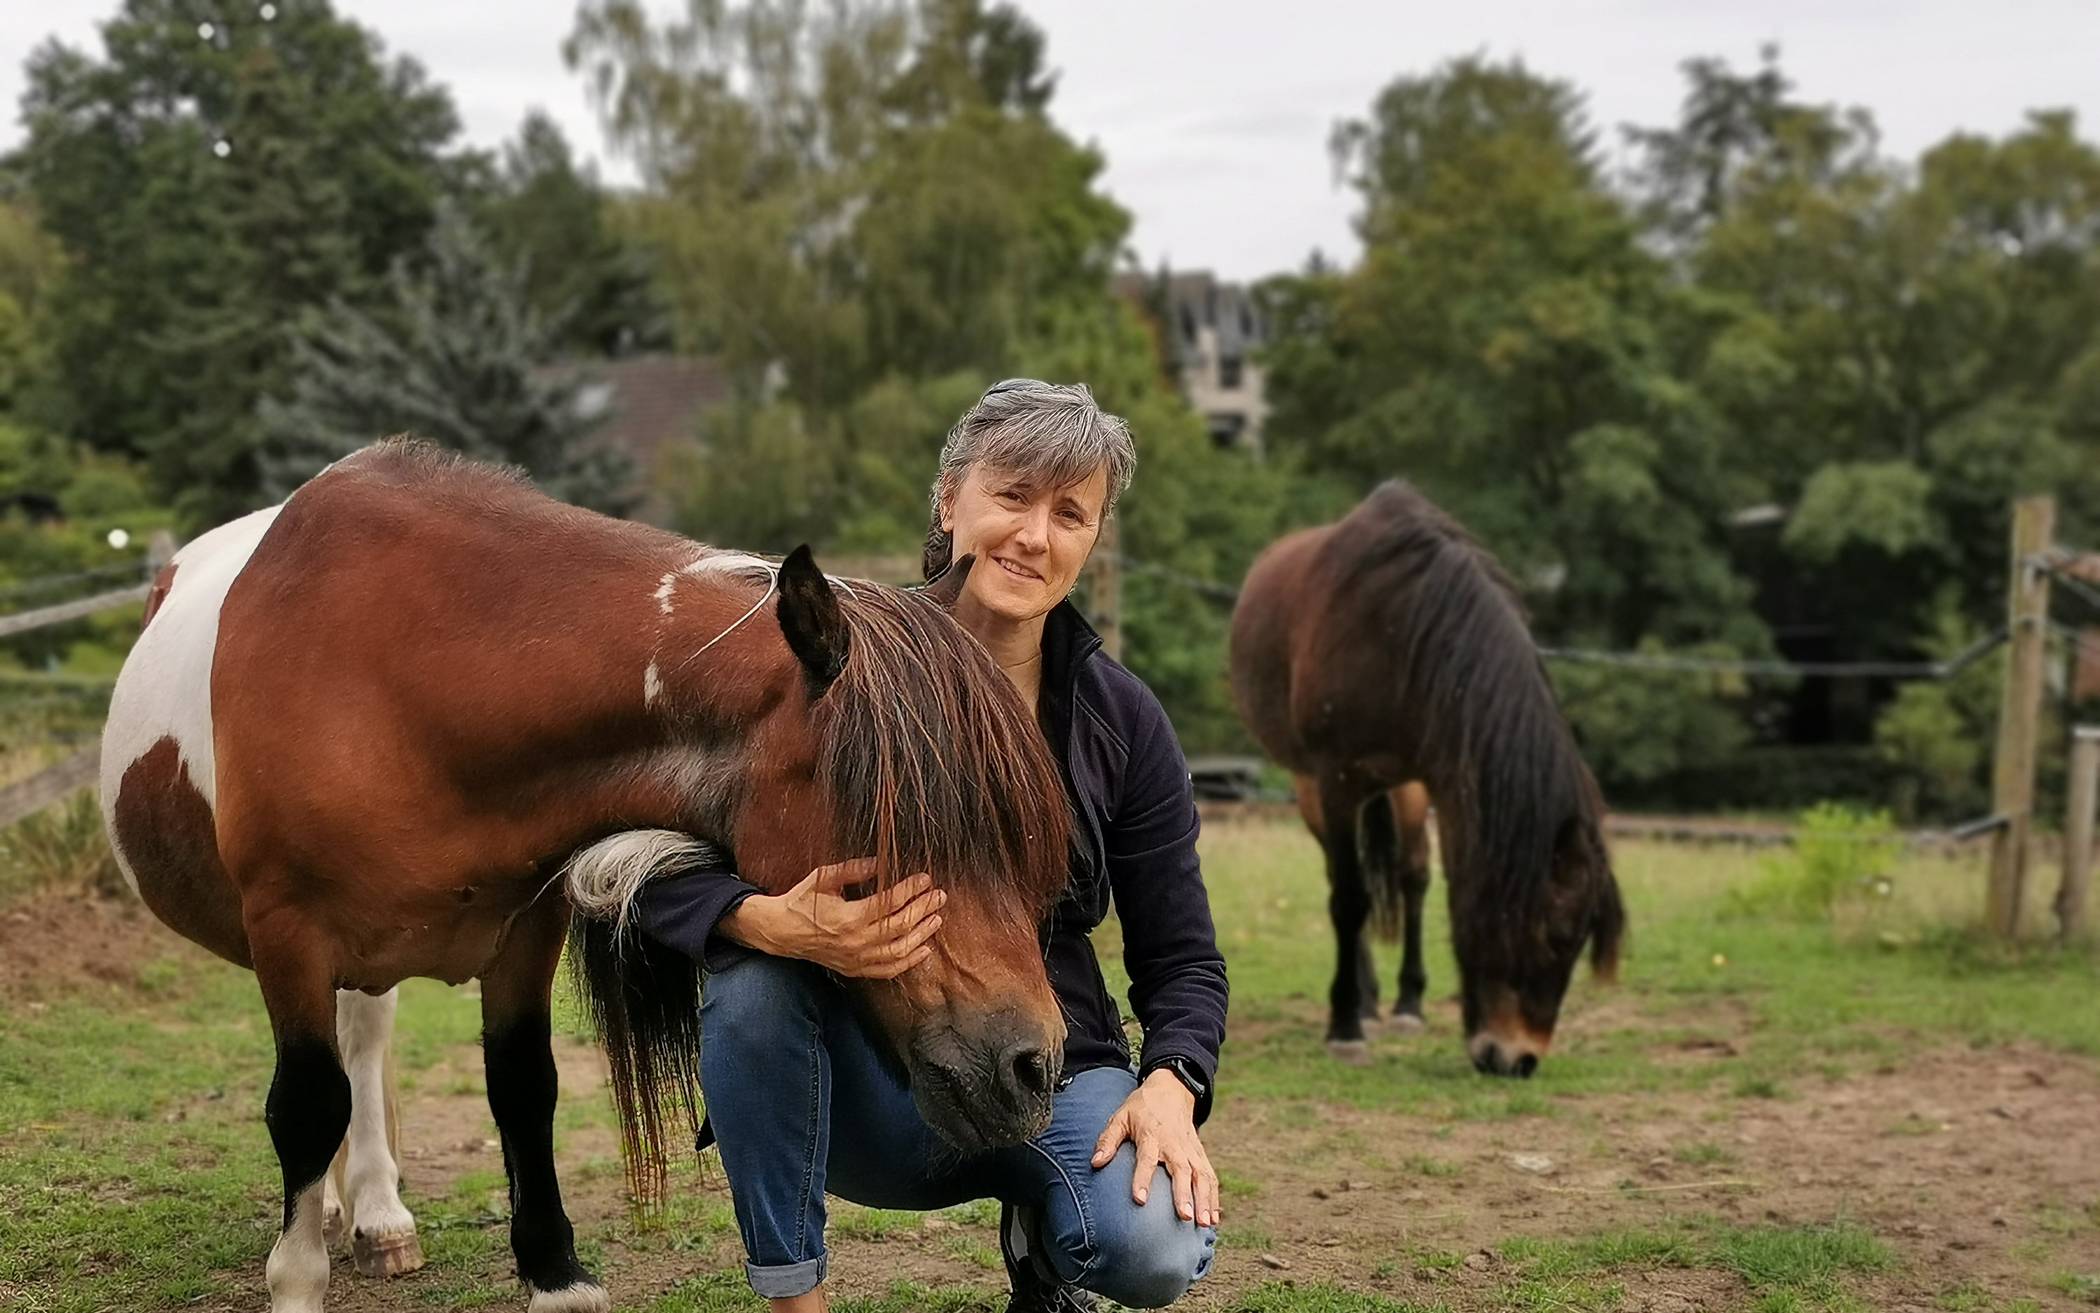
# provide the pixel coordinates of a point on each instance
(643, 1000)
(1384, 865)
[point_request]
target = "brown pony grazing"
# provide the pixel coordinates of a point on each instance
(1387, 652)
(364, 735)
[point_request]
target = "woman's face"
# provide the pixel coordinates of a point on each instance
(1030, 542)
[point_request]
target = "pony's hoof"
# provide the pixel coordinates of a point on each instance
(386, 1255)
(1350, 1052)
(332, 1225)
(583, 1297)
(1407, 1023)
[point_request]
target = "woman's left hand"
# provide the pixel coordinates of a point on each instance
(1159, 1117)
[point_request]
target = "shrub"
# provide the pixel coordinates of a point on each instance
(1838, 851)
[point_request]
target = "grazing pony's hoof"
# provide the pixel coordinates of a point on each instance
(386, 1255)
(1350, 1052)
(331, 1222)
(1407, 1023)
(583, 1297)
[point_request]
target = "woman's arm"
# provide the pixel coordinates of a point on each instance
(1177, 975)
(879, 936)
(1170, 948)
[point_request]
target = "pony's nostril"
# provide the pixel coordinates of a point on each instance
(1526, 1065)
(1034, 1069)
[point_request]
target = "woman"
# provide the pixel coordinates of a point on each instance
(1117, 1197)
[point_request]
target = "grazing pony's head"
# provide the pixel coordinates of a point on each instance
(866, 722)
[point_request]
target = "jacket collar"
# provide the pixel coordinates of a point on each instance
(1068, 643)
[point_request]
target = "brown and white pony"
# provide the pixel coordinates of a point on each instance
(364, 734)
(1387, 652)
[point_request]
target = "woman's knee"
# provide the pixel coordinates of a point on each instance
(1145, 1256)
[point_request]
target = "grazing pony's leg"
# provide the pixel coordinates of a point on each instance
(382, 1233)
(516, 1040)
(1410, 804)
(1334, 801)
(309, 1105)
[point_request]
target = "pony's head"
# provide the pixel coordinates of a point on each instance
(901, 739)
(868, 723)
(1518, 939)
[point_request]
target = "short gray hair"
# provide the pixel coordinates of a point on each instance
(1049, 433)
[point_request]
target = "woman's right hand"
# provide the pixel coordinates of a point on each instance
(878, 937)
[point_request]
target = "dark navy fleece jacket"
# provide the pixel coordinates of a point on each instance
(1133, 841)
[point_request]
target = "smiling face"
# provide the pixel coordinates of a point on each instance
(1031, 539)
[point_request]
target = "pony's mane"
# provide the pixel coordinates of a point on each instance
(1502, 760)
(932, 760)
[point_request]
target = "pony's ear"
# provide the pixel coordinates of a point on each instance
(947, 586)
(811, 621)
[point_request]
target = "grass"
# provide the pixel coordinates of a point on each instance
(1785, 1268)
(135, 1172)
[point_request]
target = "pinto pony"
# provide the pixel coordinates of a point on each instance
(365, 735)
(1385, 655)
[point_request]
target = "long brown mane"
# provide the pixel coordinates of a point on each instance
(927, 760)
(1505, 770)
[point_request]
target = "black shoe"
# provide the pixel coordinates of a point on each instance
(1036, 1287)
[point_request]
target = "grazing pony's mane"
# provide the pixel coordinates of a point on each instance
(921, 747)
(1502, 762)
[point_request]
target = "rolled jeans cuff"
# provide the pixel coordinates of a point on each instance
(787, 1280)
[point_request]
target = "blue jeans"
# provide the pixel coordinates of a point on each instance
(803, 1102)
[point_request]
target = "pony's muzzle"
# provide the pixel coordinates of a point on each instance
(1504, 1055)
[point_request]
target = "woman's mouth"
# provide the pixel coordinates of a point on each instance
(1017, 571)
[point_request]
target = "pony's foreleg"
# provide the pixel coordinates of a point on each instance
(516, 1038)
(382, 1233)
(308, 1108)
(1348, 906)
(1411, 811)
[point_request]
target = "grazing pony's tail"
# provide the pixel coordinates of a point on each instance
(642, 999)
(1384, 865)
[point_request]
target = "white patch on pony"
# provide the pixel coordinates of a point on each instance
(298, 1266)
(664, 589)
(604, 878)
(740, 563)
(371, 1195)
(652, 685)
(164, 688)
(583, 1297)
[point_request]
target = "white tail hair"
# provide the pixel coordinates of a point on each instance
(604, 878)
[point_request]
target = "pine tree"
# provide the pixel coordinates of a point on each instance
(212, 176)
(451, 353)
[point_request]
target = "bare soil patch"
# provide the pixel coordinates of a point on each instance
(64, 942)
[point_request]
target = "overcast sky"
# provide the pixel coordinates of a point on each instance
(1214, 114)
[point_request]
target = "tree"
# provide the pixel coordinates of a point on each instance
(210, 179)
(860, 208)
(581, 273)
(1892, 351)
(453, 354)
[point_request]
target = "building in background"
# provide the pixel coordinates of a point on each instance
(1211, 332)
(649, 409)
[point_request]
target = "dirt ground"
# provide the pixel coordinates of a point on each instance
(1955, 1158)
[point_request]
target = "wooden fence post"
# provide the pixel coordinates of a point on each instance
(2078, 832)
(2019, 713)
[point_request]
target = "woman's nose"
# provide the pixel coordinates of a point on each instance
(1035, 530)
